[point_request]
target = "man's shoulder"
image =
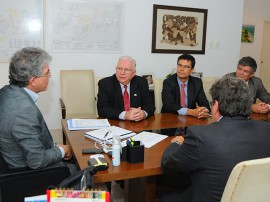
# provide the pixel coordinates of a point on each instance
(232, 74)
(172, 78)
(139, 81)
(195, 79)
(107, 80)
(11, 90)
(256, 79)
(137, 78)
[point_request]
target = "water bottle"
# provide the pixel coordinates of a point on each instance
(116, 150)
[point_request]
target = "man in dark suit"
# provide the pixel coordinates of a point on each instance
(25, 140)
(196, 103)
(208, 153)
(246, 69)
(111, 101)
(183, 94)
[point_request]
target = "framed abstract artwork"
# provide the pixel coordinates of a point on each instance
(178, 29)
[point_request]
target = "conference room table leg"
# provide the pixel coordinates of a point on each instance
(140, 189)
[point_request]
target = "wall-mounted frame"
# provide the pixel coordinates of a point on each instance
(21, 25)
(150, 80)
(248, 33)
(86, 26)
(178, 29)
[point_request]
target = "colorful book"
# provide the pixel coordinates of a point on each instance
(77, 196)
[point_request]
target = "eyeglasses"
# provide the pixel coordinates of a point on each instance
(184, 66)
(47, 75)
(239, 68)
(121, 69)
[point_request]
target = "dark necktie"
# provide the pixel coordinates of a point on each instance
(126, 99)
(182, 94)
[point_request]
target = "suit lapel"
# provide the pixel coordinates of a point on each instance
(190, 91)
(177, 88)
(133, 92)
(118, 92)
(251, 88)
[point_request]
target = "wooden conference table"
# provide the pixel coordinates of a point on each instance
(145, 171)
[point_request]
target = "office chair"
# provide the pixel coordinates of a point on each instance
(158, 84)
(207, 84)
(16, 184)
(77, 94)
(249, 181)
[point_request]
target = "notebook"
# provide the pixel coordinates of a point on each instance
(107, 134)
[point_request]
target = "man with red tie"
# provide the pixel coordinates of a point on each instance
(124, 95)
(182, 93)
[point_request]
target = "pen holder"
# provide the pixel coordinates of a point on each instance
(135, 152)
(124, 154)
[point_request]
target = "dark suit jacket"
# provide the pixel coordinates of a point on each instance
(25, 140)
(256, 88)
(171, 94)
(210, 152)
(110, 101)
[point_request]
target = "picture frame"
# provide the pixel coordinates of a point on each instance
(150, 80)
(179, 29)
(248, 32)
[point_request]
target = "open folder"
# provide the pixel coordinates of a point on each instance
(106, 134)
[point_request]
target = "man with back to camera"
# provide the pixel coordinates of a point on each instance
(25, 140)
(246, 69)
(124, 95)
(208, 153)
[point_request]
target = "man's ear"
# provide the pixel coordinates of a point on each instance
(32, 81)
(215, 106)
(215, 111)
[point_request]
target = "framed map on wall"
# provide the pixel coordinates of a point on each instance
(21, 25)
(85, 26)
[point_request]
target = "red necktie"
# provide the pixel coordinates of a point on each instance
(182, 94)
(126, 99)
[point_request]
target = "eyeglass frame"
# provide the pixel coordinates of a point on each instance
(48, 75)
(184, 66)
(126, 70)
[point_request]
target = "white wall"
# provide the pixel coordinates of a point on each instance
(223, 26)
(255, 13)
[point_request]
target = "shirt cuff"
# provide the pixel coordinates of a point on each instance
(62, 151)
(122, 115)
(145, 114)
(182, 111)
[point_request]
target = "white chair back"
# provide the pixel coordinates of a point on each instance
(158, 85)
(207, 84)
(78, 93)
(249, 182)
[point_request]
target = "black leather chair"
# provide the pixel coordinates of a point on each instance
(15, 184)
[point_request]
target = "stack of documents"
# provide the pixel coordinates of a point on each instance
(84, 124)
(106, 134)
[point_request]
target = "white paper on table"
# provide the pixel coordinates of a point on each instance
(149, 139)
